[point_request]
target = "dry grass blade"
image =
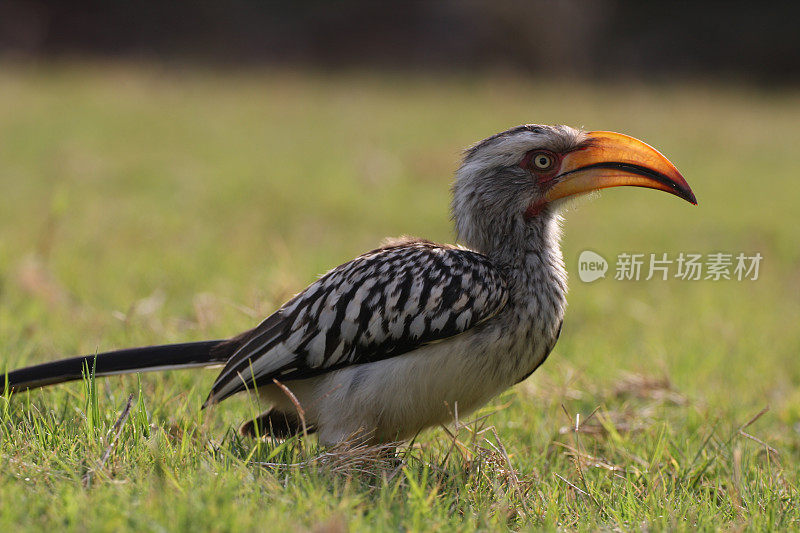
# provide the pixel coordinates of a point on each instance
(117, 431)
(756, 417)
(300, 411)
(648, 387)
(743, 433)
(574, 487)
(766, 446)
(355, 456)
(512, 474)
(590, 460)
(576, 462)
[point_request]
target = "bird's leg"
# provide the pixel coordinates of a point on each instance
(277, 424)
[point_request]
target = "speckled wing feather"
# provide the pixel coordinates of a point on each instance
(382, 304)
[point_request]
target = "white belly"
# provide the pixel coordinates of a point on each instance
(393, 399)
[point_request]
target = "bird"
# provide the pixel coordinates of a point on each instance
(405, 336)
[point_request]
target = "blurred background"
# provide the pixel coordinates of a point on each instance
(175, 171)
(602, 39)
(184, 170)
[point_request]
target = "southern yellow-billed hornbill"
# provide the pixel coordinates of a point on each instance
(392, 341)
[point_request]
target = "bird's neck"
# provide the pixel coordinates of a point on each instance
(537, 287)
(530, 256)
(528, 246)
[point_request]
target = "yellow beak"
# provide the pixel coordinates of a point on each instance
(613, 160)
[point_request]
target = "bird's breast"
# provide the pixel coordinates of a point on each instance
(527, 329)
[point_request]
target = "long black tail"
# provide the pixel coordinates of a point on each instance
(145, 359)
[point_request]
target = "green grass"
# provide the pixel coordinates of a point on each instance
(144, 205)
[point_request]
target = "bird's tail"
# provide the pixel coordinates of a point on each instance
(144, 359)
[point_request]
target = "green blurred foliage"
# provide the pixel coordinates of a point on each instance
(148, 204)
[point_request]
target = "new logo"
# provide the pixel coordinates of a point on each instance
(591, 266)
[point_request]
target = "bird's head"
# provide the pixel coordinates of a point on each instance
(511, 185)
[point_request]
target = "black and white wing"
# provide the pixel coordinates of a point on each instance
(382, 304)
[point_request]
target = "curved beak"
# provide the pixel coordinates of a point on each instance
(609, 159)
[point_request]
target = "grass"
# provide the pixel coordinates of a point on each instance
(144, 204)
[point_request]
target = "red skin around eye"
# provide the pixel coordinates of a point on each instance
(546, 176)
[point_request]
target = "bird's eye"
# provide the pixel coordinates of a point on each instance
(542, 161)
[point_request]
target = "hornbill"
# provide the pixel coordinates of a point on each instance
(395, 340)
